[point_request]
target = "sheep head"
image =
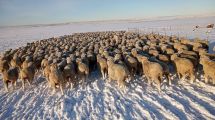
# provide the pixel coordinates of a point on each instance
(110, 61)
(173, 57)
(53, 67)
(143, 59)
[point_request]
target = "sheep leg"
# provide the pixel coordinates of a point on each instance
(28, 82)
(157, 81)
(49, 84)
(75, 81)
(106, 73)
(183, 77)
(149, 81)
(47, 78)
(135, 71)
(78, 79)
(13, 82)
(6, 86)
(121, 84)
(168, 79)
(109, 79)
(132, 74)
(52, 84)
(83, 80)
(71, 82)
(61, 89)
(192, 78)
(103, 74)
(213, 81)
(206, 78)
(23, 84)
(54, 90)
(179, 76)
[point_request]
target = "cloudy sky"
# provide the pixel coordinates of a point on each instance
(25, 12)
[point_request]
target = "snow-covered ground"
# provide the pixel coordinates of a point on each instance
(11, 37)
(103, 100)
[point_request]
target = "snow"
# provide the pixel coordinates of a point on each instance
(101, 99)
(11, 37)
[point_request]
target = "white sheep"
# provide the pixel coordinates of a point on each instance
(117, 72)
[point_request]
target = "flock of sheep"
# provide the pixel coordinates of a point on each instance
(118, 55)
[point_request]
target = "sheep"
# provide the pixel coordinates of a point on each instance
(37, 62)
(27, 73)
(179, 46)
(127, 48)
(26, 62)
(69, 71)
(211, 56)
(10, 75)
(145, 48)
(116, 38)
(46, 72)
(197, 44)
(153, 52)
(184, 67)
(134, 52)
(44, 63)
(56, 78)
(69, 74)
(192, 53)
(166, 70)
(92, 61)
(132, 64)
(185, 41)
(163, 58)
(117, 72)
(4, 65)
(118, 57)
(153, 71)
(102, 62)
(83, 70)
(208, 68)
(169, 51)
(193, 59)
(16, 62)
(62, 64)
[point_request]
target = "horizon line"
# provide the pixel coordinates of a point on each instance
(158, 18)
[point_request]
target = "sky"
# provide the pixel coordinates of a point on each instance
(27, 12)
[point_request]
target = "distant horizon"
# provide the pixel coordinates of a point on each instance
(158, 18)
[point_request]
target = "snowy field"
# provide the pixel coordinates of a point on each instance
(100, 99)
